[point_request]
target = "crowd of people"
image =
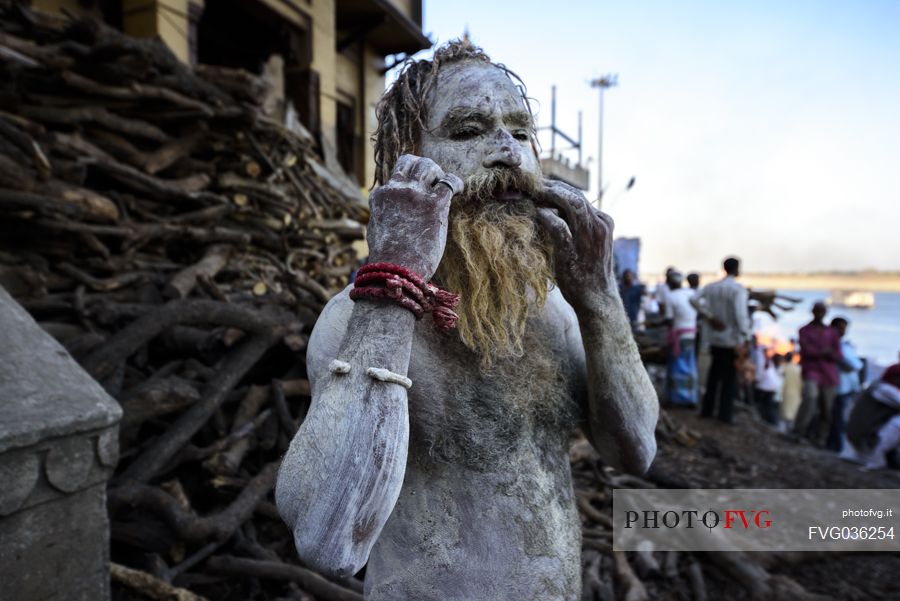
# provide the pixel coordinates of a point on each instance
(815, 391)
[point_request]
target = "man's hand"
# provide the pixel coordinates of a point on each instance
(582, 238)
(717, 324)
(408, 224)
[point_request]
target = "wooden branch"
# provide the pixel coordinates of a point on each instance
(15, 200)
(26, 145)
(696, 581)
(297, 387)
(229, 460)
(592, 512)
(183, 282)
(12, 54)
(172, 152)
(78, 146)
(185, 522)
(96, 206)
(634, 588)
(112, 283)
(670, 564)
(158, 454)
(191, 453)
(154, 398)
(151, 185)
(135, 91)
(311, 285)
(284, 415)
(209, 214)
(138, 333)
(197, 557)
(309, 580)
(594, 587)
(150, 586)
(14, 174)
(95, 114)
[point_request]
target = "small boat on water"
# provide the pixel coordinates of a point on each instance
(854, 299)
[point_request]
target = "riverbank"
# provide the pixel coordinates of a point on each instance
(870, 282)
(874, 282)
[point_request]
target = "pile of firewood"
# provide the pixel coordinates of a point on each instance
(121, 166)
(181, 244)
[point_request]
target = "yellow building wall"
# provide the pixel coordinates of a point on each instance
(373, 88)
(405, 6)
(167, 19)
(325, 63)
(359, 77)
(347, 77)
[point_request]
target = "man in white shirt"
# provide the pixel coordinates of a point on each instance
(663, 288)
(681, 318)
(723, 305)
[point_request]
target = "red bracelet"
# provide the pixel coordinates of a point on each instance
(420, 297)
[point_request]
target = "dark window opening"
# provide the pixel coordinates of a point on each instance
(234, 34)
(347, 141)
(245, 33)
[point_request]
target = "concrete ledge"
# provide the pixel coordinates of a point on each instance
(59, 444)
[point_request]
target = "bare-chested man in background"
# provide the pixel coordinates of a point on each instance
(456, 485)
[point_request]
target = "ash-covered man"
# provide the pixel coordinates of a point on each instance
(440, 455)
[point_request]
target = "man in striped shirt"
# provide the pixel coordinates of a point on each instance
(723, 305)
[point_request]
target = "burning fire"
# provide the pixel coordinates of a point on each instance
(774, 345)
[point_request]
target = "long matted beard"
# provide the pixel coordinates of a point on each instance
(496, 258)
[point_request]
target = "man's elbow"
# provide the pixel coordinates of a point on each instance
(326, 550)
(640, 453)
(631, 449)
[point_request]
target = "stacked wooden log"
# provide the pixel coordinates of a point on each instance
(181, 244)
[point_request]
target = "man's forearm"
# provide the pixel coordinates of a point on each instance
(343, 472)
(380, 335)
(622, 403)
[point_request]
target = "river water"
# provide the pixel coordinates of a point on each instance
(875, 332)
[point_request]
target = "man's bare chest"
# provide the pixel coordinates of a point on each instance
(463, 413)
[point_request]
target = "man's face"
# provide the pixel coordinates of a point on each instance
(478, 121)
(480, 130)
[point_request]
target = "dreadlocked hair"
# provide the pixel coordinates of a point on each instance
(402, 110)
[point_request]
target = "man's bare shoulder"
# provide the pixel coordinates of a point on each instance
(558, 312)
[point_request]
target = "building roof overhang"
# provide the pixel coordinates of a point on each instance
(381, 24)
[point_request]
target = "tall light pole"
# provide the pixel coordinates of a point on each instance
(603, 82)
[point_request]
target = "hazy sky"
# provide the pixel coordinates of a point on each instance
(766, 129)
